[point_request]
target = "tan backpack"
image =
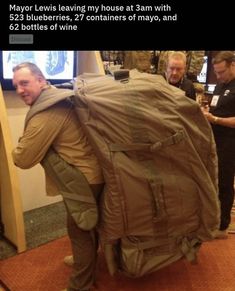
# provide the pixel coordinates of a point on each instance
(159, 161)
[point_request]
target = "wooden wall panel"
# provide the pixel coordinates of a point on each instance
(11, 206)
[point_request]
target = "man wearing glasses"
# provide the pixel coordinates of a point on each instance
(221, 115)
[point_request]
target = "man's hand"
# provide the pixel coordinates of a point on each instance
(210, 117)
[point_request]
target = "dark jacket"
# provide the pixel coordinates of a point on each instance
(187, 86)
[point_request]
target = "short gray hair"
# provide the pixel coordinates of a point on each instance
(34, 69)
(177, 55)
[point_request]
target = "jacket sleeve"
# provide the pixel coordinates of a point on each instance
(38, 136)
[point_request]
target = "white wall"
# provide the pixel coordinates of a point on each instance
(32, 183)
(90, 62)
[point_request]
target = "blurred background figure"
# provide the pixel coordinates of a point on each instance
(175, 73)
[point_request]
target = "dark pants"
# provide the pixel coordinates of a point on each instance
(226, 164)
(84, 249)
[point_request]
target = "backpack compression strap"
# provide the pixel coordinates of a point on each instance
(174, 139)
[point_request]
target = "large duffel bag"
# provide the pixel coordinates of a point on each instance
(159, 161)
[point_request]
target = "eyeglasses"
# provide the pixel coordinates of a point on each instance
(221, 72)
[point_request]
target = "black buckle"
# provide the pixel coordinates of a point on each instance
(122, 75)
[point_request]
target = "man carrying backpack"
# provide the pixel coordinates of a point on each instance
(54, 137)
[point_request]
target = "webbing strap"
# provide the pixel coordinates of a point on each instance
(174, 139)
(77, 197)
(190, 249)
(142, 143)
(150, 243)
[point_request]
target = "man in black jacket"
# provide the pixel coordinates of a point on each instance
(175, 73)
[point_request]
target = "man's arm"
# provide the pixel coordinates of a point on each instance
(38, 136)
(223, 121)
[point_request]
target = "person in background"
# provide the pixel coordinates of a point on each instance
(175, 73)
(201, 98)
(221, 115)
(51, 123)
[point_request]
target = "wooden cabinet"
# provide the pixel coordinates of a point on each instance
(11, 206)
